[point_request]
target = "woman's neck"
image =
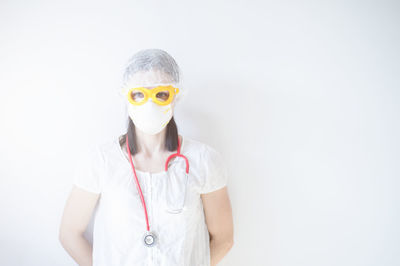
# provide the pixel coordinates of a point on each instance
(150, 144)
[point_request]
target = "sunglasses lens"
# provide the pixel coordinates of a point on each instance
(137, 96)
(162, 96)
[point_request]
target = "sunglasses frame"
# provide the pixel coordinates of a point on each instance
(151, 93)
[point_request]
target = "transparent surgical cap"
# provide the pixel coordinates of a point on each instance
(150, 68)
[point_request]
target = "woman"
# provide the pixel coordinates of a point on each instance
(163, 200)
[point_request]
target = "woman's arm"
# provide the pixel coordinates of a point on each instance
(77, 213)
(218, 214)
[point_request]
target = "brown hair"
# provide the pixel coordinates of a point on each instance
(171, 137)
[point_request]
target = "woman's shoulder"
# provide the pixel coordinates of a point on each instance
(196, 148)
(103, 148)
(193, 145)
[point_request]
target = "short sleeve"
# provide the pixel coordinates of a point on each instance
(215, 174)
(88, 170)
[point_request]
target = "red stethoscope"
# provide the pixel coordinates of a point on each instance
(150, 237)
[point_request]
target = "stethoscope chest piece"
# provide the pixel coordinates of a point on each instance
(149, 239)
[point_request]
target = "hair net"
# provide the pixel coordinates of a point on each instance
(151, 67)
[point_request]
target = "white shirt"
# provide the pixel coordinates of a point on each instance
(119, 219)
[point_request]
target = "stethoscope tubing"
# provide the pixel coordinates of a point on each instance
(177, 154)
(137, 184)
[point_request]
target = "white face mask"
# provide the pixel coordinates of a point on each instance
(150, 117)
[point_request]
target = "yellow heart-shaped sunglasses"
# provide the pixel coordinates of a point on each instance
(161, 95)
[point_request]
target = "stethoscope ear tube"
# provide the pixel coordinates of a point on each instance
(177, 208)
(178, 154)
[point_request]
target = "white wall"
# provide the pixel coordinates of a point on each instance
(301, 98)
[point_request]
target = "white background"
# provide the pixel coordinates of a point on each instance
(300, 97)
